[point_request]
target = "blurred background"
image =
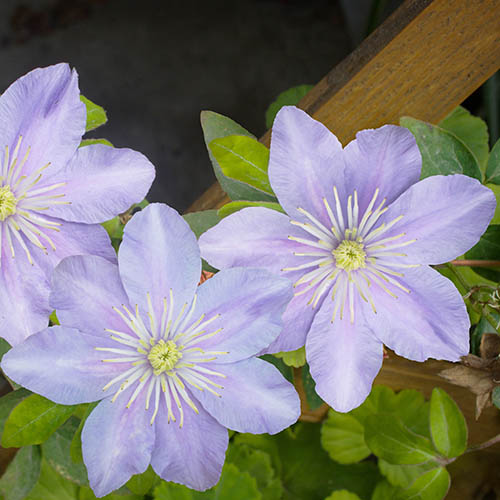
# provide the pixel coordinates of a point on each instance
(155, 64)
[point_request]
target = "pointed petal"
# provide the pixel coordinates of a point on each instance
(386, 158)
(250, 303)
(102, 182)
(343, 357)
(85, 288)
(24, 296)
(429, 322)
(44, 108)
(256, 398)
(117, 442)
(159, 253)
(445, 214)
(61, 364)
(306, 161)
(192, 455)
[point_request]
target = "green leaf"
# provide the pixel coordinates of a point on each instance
(243, 159)
(390, 439)
(493, 167)
(495, 397)
(487, 248)
(234, 206)
(471, 130)
(384, 491)
(53, 319)
(285, 370)
(75, 449)
(56, 450)
(447, 423)
(289, 97)
(432, 485)
(86, 493)
(21, 474)
(258, 464)
(342, 495)
(33, 420)
(141, 484)
(9, 402)
(52, 486)
(4, 348)
(215, 126)
(313, 400)
(295, 358)
(89, 142)
(342, 436)
(199, 222)
(403, 475)
(96, 116)
(442, 152)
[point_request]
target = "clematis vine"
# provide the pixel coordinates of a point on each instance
(172, 364)
(357, 239)
(53, 194)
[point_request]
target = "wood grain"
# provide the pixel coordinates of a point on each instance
(422, 62)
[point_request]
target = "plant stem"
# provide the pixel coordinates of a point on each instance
(486, 444)
(475, 263)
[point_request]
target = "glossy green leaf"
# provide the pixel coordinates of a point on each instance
(382, 399)
(235, 206)
(215, 126)
(21, 474)
(432, 485)
(258, 464)
(75, 449)
(487, 248)
(447, 423)
(90, 142)
(289, 97)
(96, 116)
(243, 159)
(442, 152)
(295, 358)
(471, 130)
(342, 436)
(52, 486)
(493, 167)
(56, 450)
(385, 491)
(9, 402)
(342, 495)
(403, 475)
(33, 420)
(232, 485)
(141, 484)
(388, 438)
(495, 397)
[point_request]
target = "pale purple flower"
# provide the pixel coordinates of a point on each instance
(357, 239)
(52, 194)
(173, 363)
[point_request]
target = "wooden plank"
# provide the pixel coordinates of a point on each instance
(422, 62)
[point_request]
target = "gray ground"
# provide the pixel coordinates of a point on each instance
(155, 64)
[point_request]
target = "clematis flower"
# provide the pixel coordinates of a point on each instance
(173, 364)
(52, 194)
(359, 233)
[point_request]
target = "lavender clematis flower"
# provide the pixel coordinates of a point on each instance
(357, 239)
(173, 364)
(52, 194)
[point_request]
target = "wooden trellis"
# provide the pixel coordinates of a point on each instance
(422, 62)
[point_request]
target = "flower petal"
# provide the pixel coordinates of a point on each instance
(61, 364)
(44, 108)
(429, 322)
(159, 253)
(250, 303)
(445, 214)
(192, 455)
(255, 398)
(305, 163)
(85, 288)
(386, 158)
(343, 357)
(102, 182)
(117, 442)
(24, 296)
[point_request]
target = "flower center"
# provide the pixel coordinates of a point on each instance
(349, 255)
(8, 202)
(163, 356)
